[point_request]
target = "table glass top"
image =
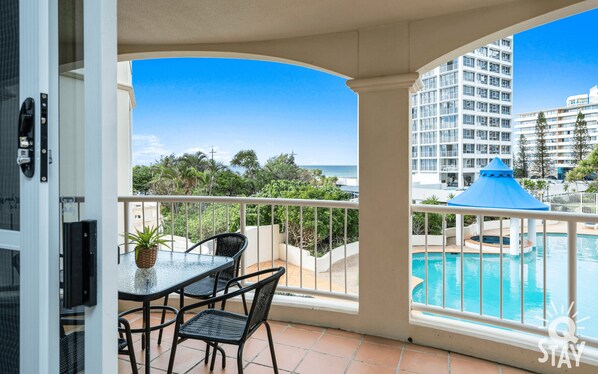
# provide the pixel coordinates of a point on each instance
(171, 271)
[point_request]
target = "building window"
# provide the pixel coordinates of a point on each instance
(506, 43)
(505, 96)
(468, 104)
(468, 148)
(448, 107)
(428, 110)
(428, 165)
(506, 123)
(506, 109)
(494, 95)
(494, 149)
(482, 51)
(468, 119)
(413, 113)
(428, 151)
(448, 136)
(495, 54)
(483, 64)
(494, 108)
(506, 70)
(494, 68)
(482, 78)
(428, 137)
(482, 121)
(482, 149)
(505, 149)
(482, 107)
(468, 61)
(449, 79)
(506, 83)
(494, 122)
(506, 56)
(429, 84)
(494, 135)
(483, 92)
(414, 165)
(450, 93)
(449, 66)
(482, 134)
(413, 151)
(482, 162)
(468, 134)
(494, 81)
(469, 162)
(428, 97)
(428, 124)
(448, 121)
(506, 161)
(468, 76)
(468, 91)
(505, 136)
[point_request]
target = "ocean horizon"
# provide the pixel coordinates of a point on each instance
(339, 171)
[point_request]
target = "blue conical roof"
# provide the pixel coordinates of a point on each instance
(496, 188)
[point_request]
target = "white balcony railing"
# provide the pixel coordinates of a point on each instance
(517, 288)
(314, 239)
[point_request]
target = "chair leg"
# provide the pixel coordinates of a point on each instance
(205, 361)
(131, 352)
(175, 341)
(271, 344)
(214, 357)
(162, 320)
(244, 304)
(240, 359)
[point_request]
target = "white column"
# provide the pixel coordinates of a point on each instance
(531, 231)
(514, 237)
(384, 203)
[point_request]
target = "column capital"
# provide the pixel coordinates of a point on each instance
(410, 81)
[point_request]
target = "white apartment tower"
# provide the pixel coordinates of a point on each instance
(462, 116)
(561, 122)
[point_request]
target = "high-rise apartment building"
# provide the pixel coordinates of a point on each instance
(462, 116)
(561, 123)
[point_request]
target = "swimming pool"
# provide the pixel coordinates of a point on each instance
(556, 281)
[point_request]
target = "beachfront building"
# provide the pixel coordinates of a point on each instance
(561, 123)
(462, 116)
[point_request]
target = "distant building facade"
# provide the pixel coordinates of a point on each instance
(561, 122)
(462, 117)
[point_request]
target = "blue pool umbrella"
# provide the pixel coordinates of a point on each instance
(496, 188)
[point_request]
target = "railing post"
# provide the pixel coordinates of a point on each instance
(242, 229)
(126, 223)
(572, 269)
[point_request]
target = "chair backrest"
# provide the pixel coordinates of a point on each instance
(231, 245)
(262, 299)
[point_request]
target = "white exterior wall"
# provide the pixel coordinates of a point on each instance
(561, 122)
(434, 160)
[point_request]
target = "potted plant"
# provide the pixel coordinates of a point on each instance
(146, 244)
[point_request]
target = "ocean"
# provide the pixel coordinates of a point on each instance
(339, 171)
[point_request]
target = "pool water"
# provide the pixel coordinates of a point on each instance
(556, 279)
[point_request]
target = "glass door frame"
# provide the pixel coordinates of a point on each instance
(39, 239)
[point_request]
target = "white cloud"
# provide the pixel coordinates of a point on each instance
(147, 149)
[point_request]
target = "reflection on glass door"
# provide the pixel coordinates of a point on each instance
(71, 124)
(9, 185)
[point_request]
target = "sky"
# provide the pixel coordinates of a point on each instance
(186, 105)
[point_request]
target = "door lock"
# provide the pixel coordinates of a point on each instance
(25, 156)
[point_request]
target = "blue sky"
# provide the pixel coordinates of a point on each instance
(185, 105)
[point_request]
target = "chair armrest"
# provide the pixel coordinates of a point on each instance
(215, 300)
(199, 244)
(125, 323)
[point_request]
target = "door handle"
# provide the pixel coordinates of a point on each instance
(26, 129)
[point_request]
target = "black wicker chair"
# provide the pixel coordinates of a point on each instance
(72, 347)
(216, 326)
(227, 244)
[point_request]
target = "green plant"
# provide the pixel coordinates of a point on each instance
(148, 238)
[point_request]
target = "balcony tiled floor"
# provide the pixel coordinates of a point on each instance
(312, 350)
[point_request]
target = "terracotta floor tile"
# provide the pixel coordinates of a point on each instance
(385, 341)
(259, 369)
(298, 338)
(472, 365)
(252, 348)
(287, 357)
(378, 354)
(512, 370)
(308, 327)
(358, 367)
(424, 363)
(155, 350)
(344, 334)
(336, 346)
(231, 368)
(276, 328)
(185, 359)
(320, 363)
(124, 367)
(424, 349)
